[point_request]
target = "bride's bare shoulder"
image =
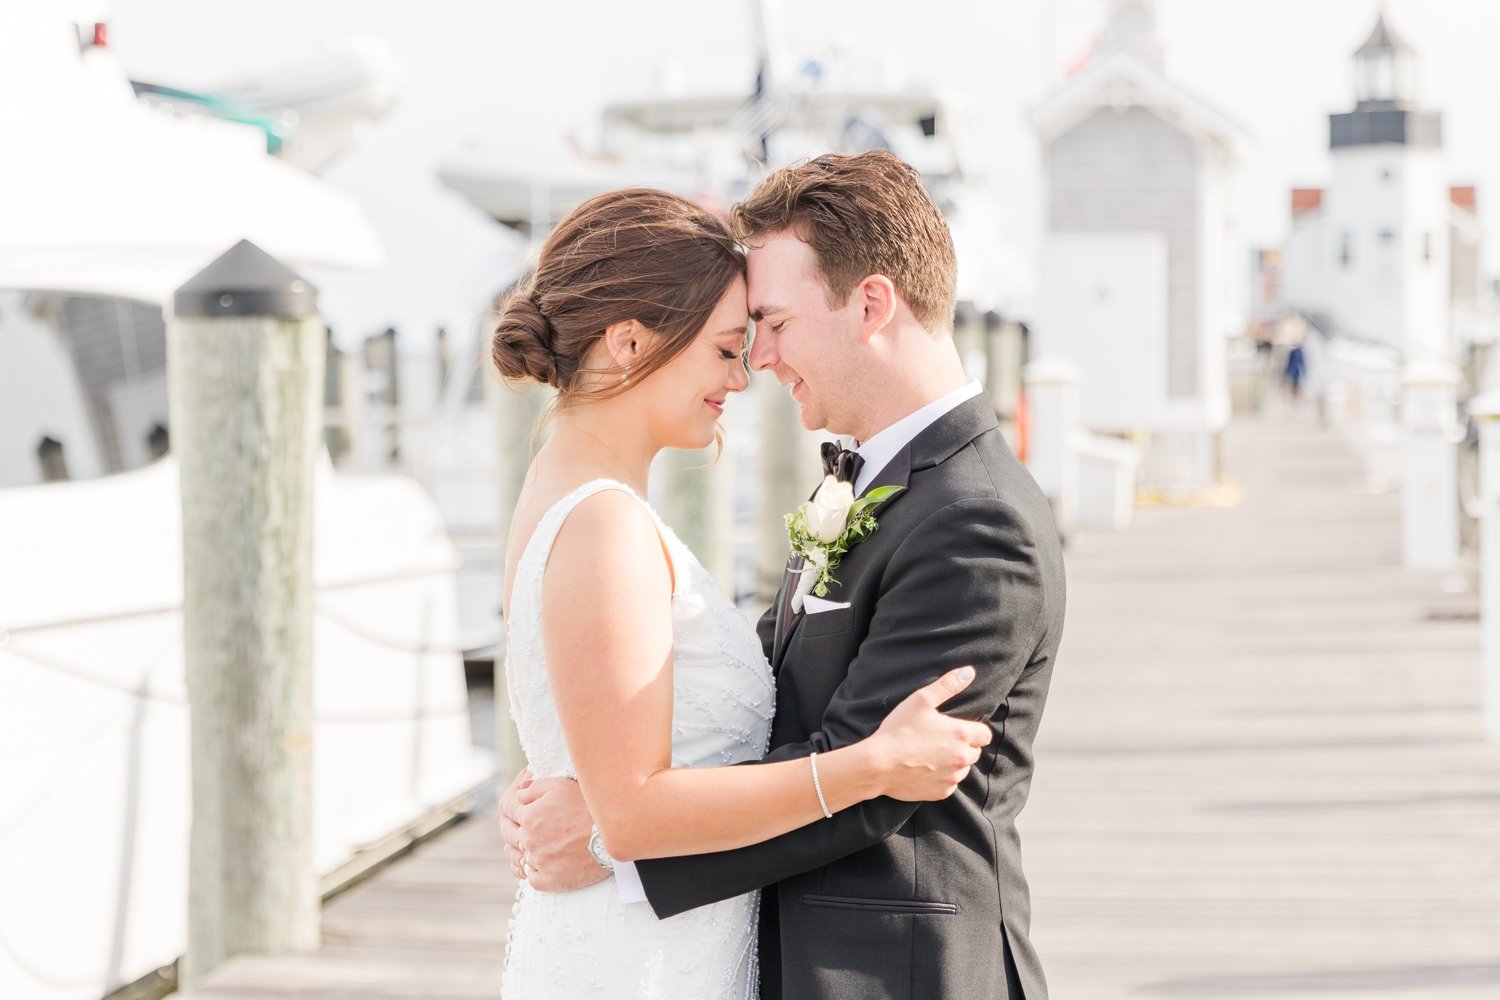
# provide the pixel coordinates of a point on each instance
(608, 519)
(607, 524)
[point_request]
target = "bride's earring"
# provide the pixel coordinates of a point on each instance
(625, 375)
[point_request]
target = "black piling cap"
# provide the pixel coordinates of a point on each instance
(247, 281)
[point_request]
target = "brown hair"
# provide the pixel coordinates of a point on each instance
(635, 254)
(862, 215)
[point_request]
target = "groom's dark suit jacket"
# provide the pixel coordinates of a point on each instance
(900, 899)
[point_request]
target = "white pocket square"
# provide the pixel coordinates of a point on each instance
(817, 605)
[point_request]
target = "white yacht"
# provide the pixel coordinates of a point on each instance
(110, 201)
(714, 148)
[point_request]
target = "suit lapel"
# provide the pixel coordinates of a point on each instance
(949, 433)
(784, 614)
(934, 445)
(785, 619)
(897, 472)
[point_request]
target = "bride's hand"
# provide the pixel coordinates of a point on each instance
(922, 753)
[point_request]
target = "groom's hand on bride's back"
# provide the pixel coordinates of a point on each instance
(546, 826)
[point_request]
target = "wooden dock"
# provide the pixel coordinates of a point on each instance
(431, 926)
(1260, 776)
(1260, 771)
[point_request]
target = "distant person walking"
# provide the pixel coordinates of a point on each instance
(1295, 371)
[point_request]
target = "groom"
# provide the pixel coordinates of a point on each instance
(852, 286)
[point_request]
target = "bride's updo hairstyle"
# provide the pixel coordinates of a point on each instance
(635, 254)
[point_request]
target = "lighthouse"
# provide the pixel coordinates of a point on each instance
(1370, 256)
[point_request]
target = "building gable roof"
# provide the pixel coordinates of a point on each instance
(1122, 81)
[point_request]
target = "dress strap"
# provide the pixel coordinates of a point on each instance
(545, 534)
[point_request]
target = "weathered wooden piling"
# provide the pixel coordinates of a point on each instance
(245, 359)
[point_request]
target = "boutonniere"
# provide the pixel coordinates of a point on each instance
(824, 528)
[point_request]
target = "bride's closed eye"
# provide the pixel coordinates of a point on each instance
(742, 355)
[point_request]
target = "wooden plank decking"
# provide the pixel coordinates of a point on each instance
(1260, 775)
(429, 927)
(1261, 772)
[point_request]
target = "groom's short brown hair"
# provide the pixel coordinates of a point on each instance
(862, 215)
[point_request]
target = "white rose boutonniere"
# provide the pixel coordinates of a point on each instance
(826, 514)
(826, 527)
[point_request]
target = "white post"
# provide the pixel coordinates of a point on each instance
(246, 355)
(1429, 482)
(968, 338)
(1052, 399)
(696, 502)
(1004, 352)
(1336, 397)
(789, 472)
(516, 411)
(1382, 433)
(1001, 354)
(1486, 411)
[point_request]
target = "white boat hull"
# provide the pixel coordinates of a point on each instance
(94, 749)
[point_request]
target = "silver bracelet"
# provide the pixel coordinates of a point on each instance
(818, 787)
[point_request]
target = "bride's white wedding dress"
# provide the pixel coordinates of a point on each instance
(588, 943)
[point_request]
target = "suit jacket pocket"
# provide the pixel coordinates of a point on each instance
(879, 905)
(826, 623)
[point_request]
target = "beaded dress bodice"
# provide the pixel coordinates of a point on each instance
(589, 943)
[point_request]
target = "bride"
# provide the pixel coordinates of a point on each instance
(628, 668)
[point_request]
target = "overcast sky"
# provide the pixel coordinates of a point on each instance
(533, 73)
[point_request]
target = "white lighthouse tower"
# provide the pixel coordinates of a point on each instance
(1387, 210)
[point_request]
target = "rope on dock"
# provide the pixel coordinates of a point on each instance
(477, 639)
(140, 691)
(464, 644)
(46, 789)
(143, 693)
(67, 985)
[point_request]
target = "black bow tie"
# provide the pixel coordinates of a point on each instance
(841, 463)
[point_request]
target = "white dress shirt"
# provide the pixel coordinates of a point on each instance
(628, 883)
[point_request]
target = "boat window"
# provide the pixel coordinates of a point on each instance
(158, 442)
(49, 451)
